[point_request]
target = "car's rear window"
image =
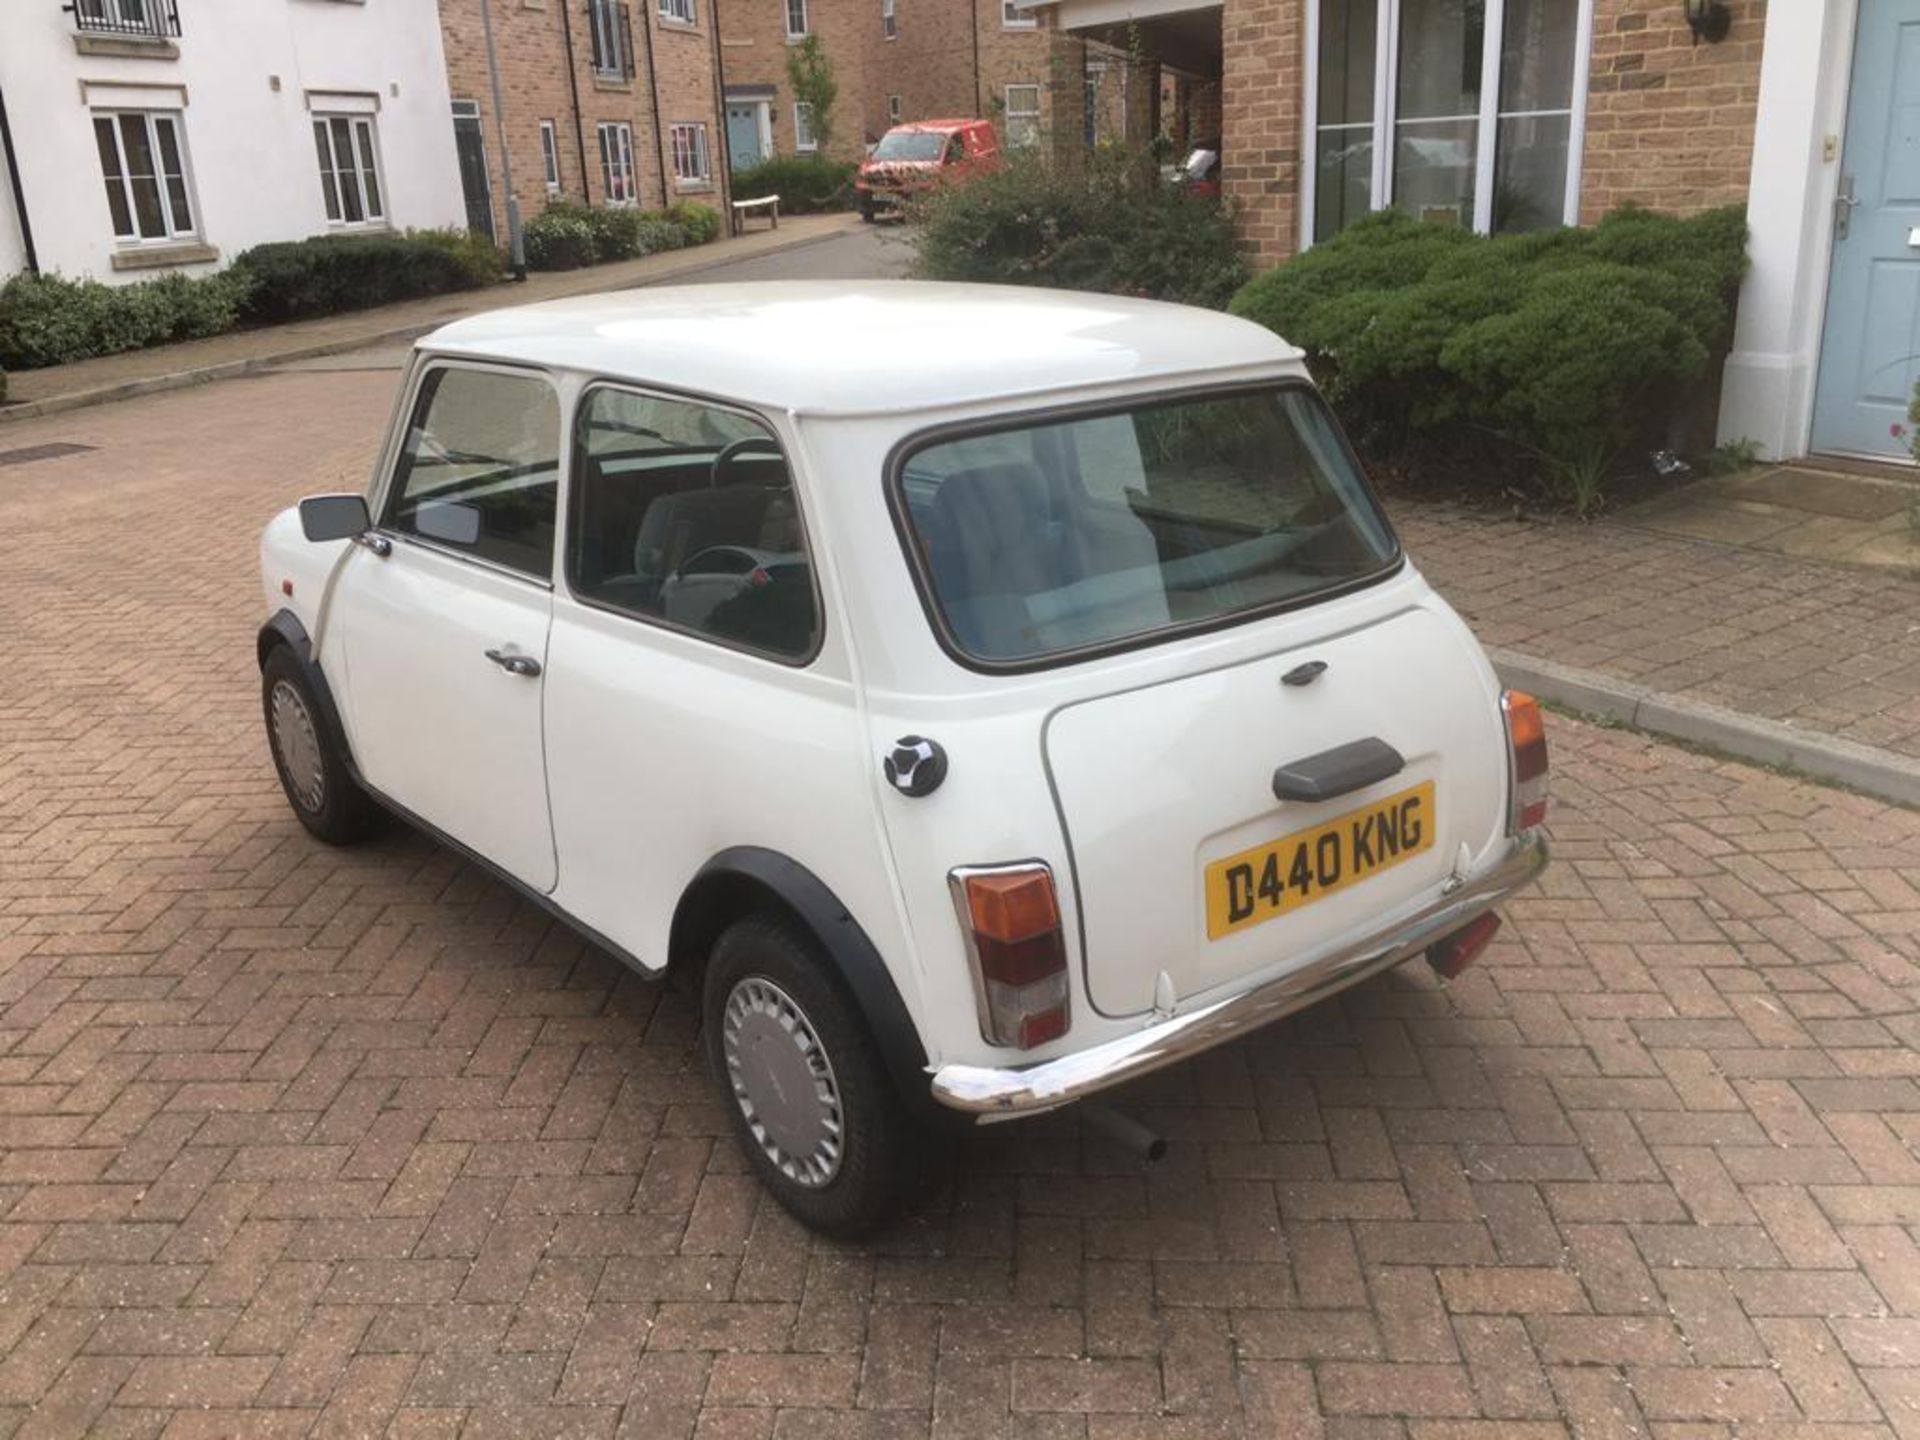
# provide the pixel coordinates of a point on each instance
(1046, 538)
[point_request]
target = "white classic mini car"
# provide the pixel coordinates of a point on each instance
(990, 695)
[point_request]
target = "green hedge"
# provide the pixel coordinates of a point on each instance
(566, 235)
(806, 184)
(328, 274)
(1530, 360)
(1111, 225)
(51, 320)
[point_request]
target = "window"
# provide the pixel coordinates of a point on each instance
(616, 163)
(611, 31)
(1095, 74)
(1023, 116)
(349, 169)
(1466, 112)
(550, 156)
(689, 145)
(684, 515)
(681, 12)
(1013, 17)
(1058, 535)
(143, 160)
(889, 24)
(479, 470)
(893, 110)
(803, 126)
(796, 18)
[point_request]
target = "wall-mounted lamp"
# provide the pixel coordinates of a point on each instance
(1708, 19)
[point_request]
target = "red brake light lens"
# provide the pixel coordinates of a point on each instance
(1527, 761)
(1011, 919)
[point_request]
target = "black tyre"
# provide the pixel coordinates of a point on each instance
(312, 768)
(810, 1099)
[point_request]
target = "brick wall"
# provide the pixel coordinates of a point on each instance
(1669, 122)
(753, 48)
(928, 63)
(1260, 98)
(684, 71)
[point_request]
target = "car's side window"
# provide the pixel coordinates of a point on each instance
(684, 514)
(479, 468)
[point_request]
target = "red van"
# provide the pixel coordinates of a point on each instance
(915, 157)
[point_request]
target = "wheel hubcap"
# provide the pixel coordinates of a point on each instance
(782, 1081)
(298, 747)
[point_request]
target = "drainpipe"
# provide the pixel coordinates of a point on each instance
(720, 115)
(653, 93)
(978, 107)
(516, 237)
(573, 87)
(19, 190)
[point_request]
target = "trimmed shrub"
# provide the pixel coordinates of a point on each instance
(806, 184)
(560, 237)
(616, 233)
(658, 232)
(327, 274)
(1111, 225)
(51, 320)
(699, 223)
(1522, 360)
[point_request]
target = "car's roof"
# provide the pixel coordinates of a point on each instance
(941, 125)
(870, 346)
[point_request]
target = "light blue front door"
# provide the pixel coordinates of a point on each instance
(1870, 347)
(743, 136)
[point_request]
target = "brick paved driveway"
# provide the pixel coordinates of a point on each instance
(305, 1142)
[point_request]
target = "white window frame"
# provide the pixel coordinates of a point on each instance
(1386, 79)
(1012, 17)
(680, 12)
(1009, 114)
(893, 110)
(603, 18)
(152, 120)
(550, 155)
(793, 8)
(365, 135)
(804, 140)
(616, 162)
(688, 139)
(889, 19)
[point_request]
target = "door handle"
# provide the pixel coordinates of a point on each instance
(1844, 205)
(515, 664)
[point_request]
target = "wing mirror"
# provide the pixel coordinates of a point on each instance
(334, 517)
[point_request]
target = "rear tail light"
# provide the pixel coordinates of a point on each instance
(1526, 761)
(1450, 956)
(1011, 919)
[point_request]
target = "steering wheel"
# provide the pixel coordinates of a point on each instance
(751, 444)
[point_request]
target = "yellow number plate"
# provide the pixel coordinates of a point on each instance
(1280, 877)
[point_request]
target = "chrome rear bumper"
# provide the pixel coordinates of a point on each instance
(991, 1093)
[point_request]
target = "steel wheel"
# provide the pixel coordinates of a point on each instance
(297, 745)
(783, 1081)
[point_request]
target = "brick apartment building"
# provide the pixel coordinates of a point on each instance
(898, 60)
(1509, 115)
(606, 102)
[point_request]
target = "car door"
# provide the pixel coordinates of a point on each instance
(441, 623)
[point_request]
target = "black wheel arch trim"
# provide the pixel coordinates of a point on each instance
(285, 630)
(854, 957)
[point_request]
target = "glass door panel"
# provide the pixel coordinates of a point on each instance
(1343, 150)
(1437, 108)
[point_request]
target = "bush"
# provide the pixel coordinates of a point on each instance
(326, 274)
(51, 320)
(1524, 358)
(1112, 225)
(806, 184)
(560, 237)
(699, 223)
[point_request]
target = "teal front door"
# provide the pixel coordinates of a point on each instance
(1870, 347)
(743, 136)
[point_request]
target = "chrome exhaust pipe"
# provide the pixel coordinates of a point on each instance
(1126, 1132)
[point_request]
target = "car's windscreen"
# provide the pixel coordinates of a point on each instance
(909, 145)
(1058, 536)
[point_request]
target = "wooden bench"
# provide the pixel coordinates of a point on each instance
(768, 205)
